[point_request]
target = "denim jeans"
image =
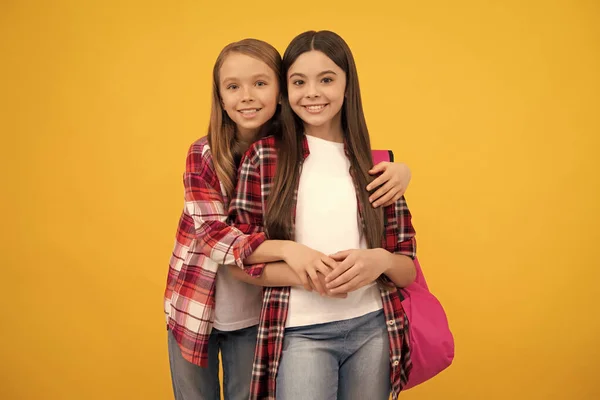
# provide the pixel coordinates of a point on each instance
(341, 360)
(192, 382)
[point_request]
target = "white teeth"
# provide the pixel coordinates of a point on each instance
(315, 108)
(250, 111)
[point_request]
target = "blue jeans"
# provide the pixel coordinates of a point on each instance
(341, 360)
(192, 382)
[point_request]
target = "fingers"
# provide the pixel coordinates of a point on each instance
(386, 188)
(381, 167)
(308, 287)
(312, 287)
(355, 283)
(387, 199)
(339, 256)
(327, 264)
(305, 281)
(316, 281)
(344, 278)
(380, 180)
(340, 269)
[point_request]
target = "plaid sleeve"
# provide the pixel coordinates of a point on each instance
(245, 208)
(205, 204)
(183, 239)
(399, 233)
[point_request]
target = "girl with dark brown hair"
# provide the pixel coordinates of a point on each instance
(305, 184)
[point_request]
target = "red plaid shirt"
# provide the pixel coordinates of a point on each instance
(204, 241)
(246, 210)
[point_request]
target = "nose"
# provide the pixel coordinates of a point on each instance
(311, 91)
(247, 95)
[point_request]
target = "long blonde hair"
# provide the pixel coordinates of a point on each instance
(221, 130)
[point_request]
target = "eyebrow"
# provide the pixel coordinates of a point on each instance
(257, 76)
(320, 74)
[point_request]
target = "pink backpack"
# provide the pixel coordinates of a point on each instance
(431, 342)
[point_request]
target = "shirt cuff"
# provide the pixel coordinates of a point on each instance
(246, 249)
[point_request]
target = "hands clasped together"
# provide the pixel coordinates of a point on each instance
(337, 274)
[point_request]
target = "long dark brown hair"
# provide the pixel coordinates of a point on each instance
(280, 204)
(222, 139)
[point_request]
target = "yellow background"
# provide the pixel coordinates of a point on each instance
(494, 105)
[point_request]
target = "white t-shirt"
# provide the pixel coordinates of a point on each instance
(327, 220)
(237, 304)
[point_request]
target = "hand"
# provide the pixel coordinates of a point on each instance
(392, 183)
(328, 292)
(356, 269)
(306, 262)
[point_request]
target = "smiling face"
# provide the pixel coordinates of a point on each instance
(249, 91)
(316, 90)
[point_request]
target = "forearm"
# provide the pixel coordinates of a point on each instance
(205, 220)
(269, 251)
(275, 274)
(400, 269)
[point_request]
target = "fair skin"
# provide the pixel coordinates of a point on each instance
(278, 274)
(316, 92)
(249, 93)
(392, 183)
(306, 263)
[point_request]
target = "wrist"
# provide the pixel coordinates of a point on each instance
(287, 248)
(385, 258)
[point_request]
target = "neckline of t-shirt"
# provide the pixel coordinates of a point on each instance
(321, 140)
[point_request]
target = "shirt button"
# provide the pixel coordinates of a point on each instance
(396, 363)
(391, 322)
